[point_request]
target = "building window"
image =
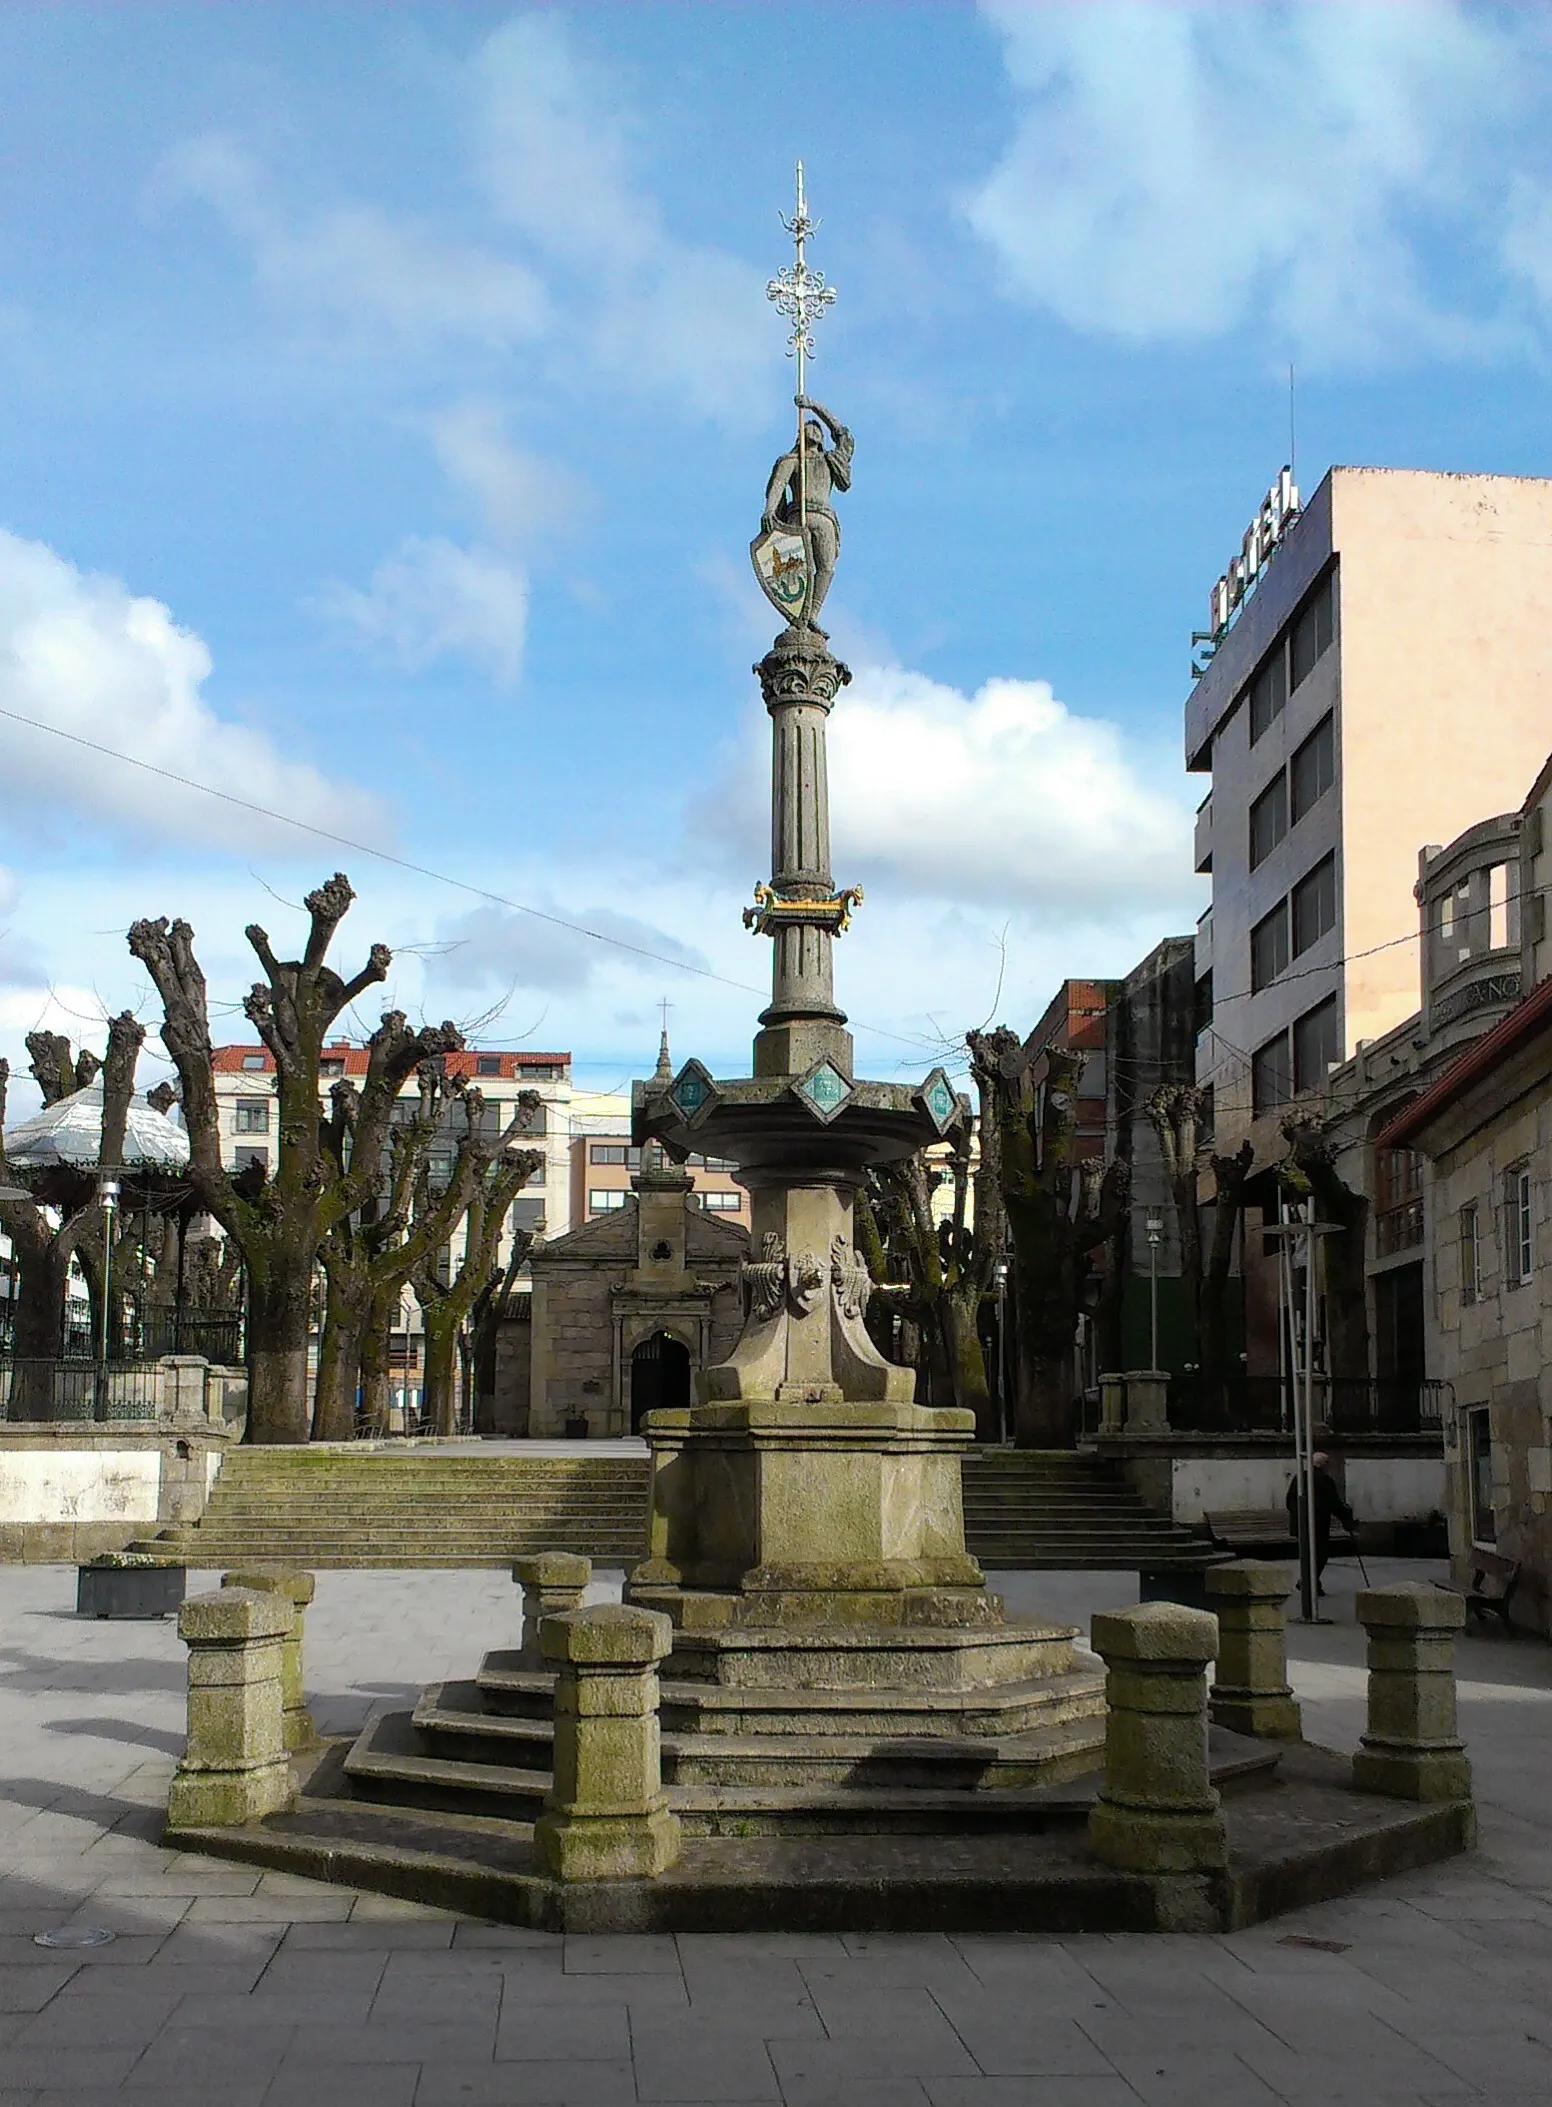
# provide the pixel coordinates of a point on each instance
(604, 1201)
(1269, 1074)
(1203, 1004)
(1311, 636)
(1313, 769)
(1268, 819)
(1470, 1253)
(1479, 1438)
(1315, 1047)
(1398, 1201)
(1499, 934)
(254, 1062)
(1519, 1232)
(1268, 692)
(253, 1159)
(487, 1064)
(722, 1203)
(606, 1152)
(1269, 948)
(1314, 904)
(333, 1065)
(251, 1116)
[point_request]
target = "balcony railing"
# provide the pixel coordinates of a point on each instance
(1344, 1405)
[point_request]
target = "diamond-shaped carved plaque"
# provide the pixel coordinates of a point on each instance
(824, 1090)
(693, 1092)
(939, 1100)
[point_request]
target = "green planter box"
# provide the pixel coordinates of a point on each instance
(129, 1591)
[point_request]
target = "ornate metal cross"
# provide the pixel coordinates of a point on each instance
(802, 296)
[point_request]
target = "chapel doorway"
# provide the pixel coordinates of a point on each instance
(660, 1377)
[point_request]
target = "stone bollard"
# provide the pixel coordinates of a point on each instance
(552, 1583)
(1157, 1811)
(234, 1767)
(298, 1589)
(605, 1817)
(1411, 1748)
(1250, 1692)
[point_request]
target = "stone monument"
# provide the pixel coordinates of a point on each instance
(807, 1531)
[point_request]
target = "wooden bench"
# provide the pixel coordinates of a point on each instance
(1494, 1579)
(1264, 1532)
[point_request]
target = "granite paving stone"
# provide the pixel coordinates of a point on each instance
(234, 1988)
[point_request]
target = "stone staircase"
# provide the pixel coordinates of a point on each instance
(1054, 1510)
(404, 1505)
(410, 1506)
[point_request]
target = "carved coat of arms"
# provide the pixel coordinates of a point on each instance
(783, 566)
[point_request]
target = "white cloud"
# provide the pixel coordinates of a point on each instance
(554, 142)
(1004, 799)
(491, 947)
(519, 494)
(1177, 171)
(355, 264)
(82, 653)
(432, 599)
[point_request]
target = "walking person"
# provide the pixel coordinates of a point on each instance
(1328, 1504)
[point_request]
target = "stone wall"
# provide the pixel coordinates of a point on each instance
(1496, 1349)
(72, 1489)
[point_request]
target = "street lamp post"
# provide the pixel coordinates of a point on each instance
(1155, 1229)
(108, 1200)
(1002, 1351)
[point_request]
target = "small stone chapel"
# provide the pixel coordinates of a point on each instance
(623, 1311)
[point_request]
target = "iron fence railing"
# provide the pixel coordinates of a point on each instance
(79, 1390)
(1344, 1405)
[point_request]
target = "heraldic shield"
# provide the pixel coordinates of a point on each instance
(783, 565)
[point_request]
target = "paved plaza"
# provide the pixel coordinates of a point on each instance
(227, 1988)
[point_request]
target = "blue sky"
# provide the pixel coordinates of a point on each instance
(390, 391)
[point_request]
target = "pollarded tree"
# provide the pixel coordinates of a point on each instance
(280, 1224)
(1061, 1211)
(1176, 1113)
(488, 1173)
(46, 1231)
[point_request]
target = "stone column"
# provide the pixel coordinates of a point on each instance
(298, 1589)
(234, 1767)
(1147, 1401)
(1250, 1692)
(1157, 1811)
(1412, 1749)
(605, 1816)
(552, 1583)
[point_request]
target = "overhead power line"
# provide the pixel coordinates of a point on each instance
(423, 870)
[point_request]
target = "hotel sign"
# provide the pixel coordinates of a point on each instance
(1277, 512)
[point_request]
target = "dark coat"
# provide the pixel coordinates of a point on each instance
(1328, 1504)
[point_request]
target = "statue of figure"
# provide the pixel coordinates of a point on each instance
(822, 470)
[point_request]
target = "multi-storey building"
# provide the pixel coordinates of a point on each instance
(1386, 681)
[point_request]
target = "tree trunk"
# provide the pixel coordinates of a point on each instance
(439, 1399)
(39, 1327)
(279, 1307)
(1043, 1415)
(376, 1385)
(339, 1363)
(967, 1361)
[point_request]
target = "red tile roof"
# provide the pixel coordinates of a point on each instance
(228, 1060)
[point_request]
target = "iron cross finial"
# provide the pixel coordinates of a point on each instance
(796, 291)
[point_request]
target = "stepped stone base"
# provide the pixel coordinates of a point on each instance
(1297, 1835)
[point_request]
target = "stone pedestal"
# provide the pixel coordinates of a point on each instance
(605, 1816)
(298, 1589)
(552, 1582)
(1158, 1811)
(234, 1767)
(1250, 1692)
(1411, 1748)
